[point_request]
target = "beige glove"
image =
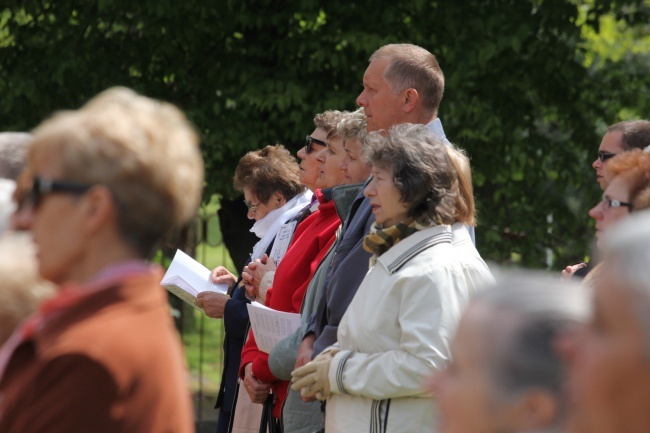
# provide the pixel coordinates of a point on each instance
(265, 283)
(313, 379)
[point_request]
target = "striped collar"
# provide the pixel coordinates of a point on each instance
(402, 252)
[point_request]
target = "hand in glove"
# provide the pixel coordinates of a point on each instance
(313, 379)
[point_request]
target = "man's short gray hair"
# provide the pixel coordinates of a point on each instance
(537, 308)
(13, 149)
(414, 67)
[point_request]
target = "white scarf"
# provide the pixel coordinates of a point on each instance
(7, 206)
(268, 227)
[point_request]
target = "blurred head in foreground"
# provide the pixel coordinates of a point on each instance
(505, 375)
(107, 182)
(609, 359)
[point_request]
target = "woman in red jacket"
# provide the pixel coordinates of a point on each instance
(310, 243)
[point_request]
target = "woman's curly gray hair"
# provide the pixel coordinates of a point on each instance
(353, 125)
(422, 171)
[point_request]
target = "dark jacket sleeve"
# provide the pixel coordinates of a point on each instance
(348, 269)
(235, 315)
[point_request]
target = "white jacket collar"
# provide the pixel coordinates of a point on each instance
(406, 249)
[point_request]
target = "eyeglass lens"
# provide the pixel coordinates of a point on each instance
(251, 205)
(604, 156)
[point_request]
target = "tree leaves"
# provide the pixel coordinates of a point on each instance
(527, 95)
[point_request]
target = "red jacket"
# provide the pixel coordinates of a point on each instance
(107, 360)
(311, 241)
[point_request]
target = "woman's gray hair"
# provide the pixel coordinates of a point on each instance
(626, 252)
(328, 120)
(533, 310)
(353, 125)
(422, 170)
(13, 148)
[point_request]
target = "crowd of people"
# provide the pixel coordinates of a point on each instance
(369, 236)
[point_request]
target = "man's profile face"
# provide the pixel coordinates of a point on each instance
(382, 107)
(610, 145)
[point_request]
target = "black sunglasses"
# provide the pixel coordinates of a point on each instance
(42, 186)
(309, 141)
(604, 156)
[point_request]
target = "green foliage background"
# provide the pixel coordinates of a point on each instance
(531, 85)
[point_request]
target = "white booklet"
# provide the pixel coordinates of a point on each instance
(271, 326)
(186, 278)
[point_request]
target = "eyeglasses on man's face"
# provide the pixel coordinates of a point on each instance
(604, 156)
(42, 186)
(608, 203)
(309, 144)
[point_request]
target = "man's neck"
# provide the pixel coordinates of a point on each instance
(425, 119)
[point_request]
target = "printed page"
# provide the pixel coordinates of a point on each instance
(270, 326)
(179, 287)
(282, 241)
(186, 278)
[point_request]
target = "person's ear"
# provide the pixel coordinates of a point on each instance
(98, 207)
(279, 197)
(410, 100)
(536, 410)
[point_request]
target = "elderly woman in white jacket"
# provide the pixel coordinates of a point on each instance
(397, 329)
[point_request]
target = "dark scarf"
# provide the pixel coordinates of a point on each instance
(380, 240)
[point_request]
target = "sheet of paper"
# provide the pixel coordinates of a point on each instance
(282, 241)
(271, 326)
(186, 278)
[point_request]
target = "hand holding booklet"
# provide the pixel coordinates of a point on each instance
(270, 326)
(186, 278)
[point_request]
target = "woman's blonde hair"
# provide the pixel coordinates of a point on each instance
(466, 211)
(144, 151)
(634, 168)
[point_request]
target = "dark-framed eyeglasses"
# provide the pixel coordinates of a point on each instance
(251, 206)
(42, 186)
(309, 144)
(604, 156)
(608, 203)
